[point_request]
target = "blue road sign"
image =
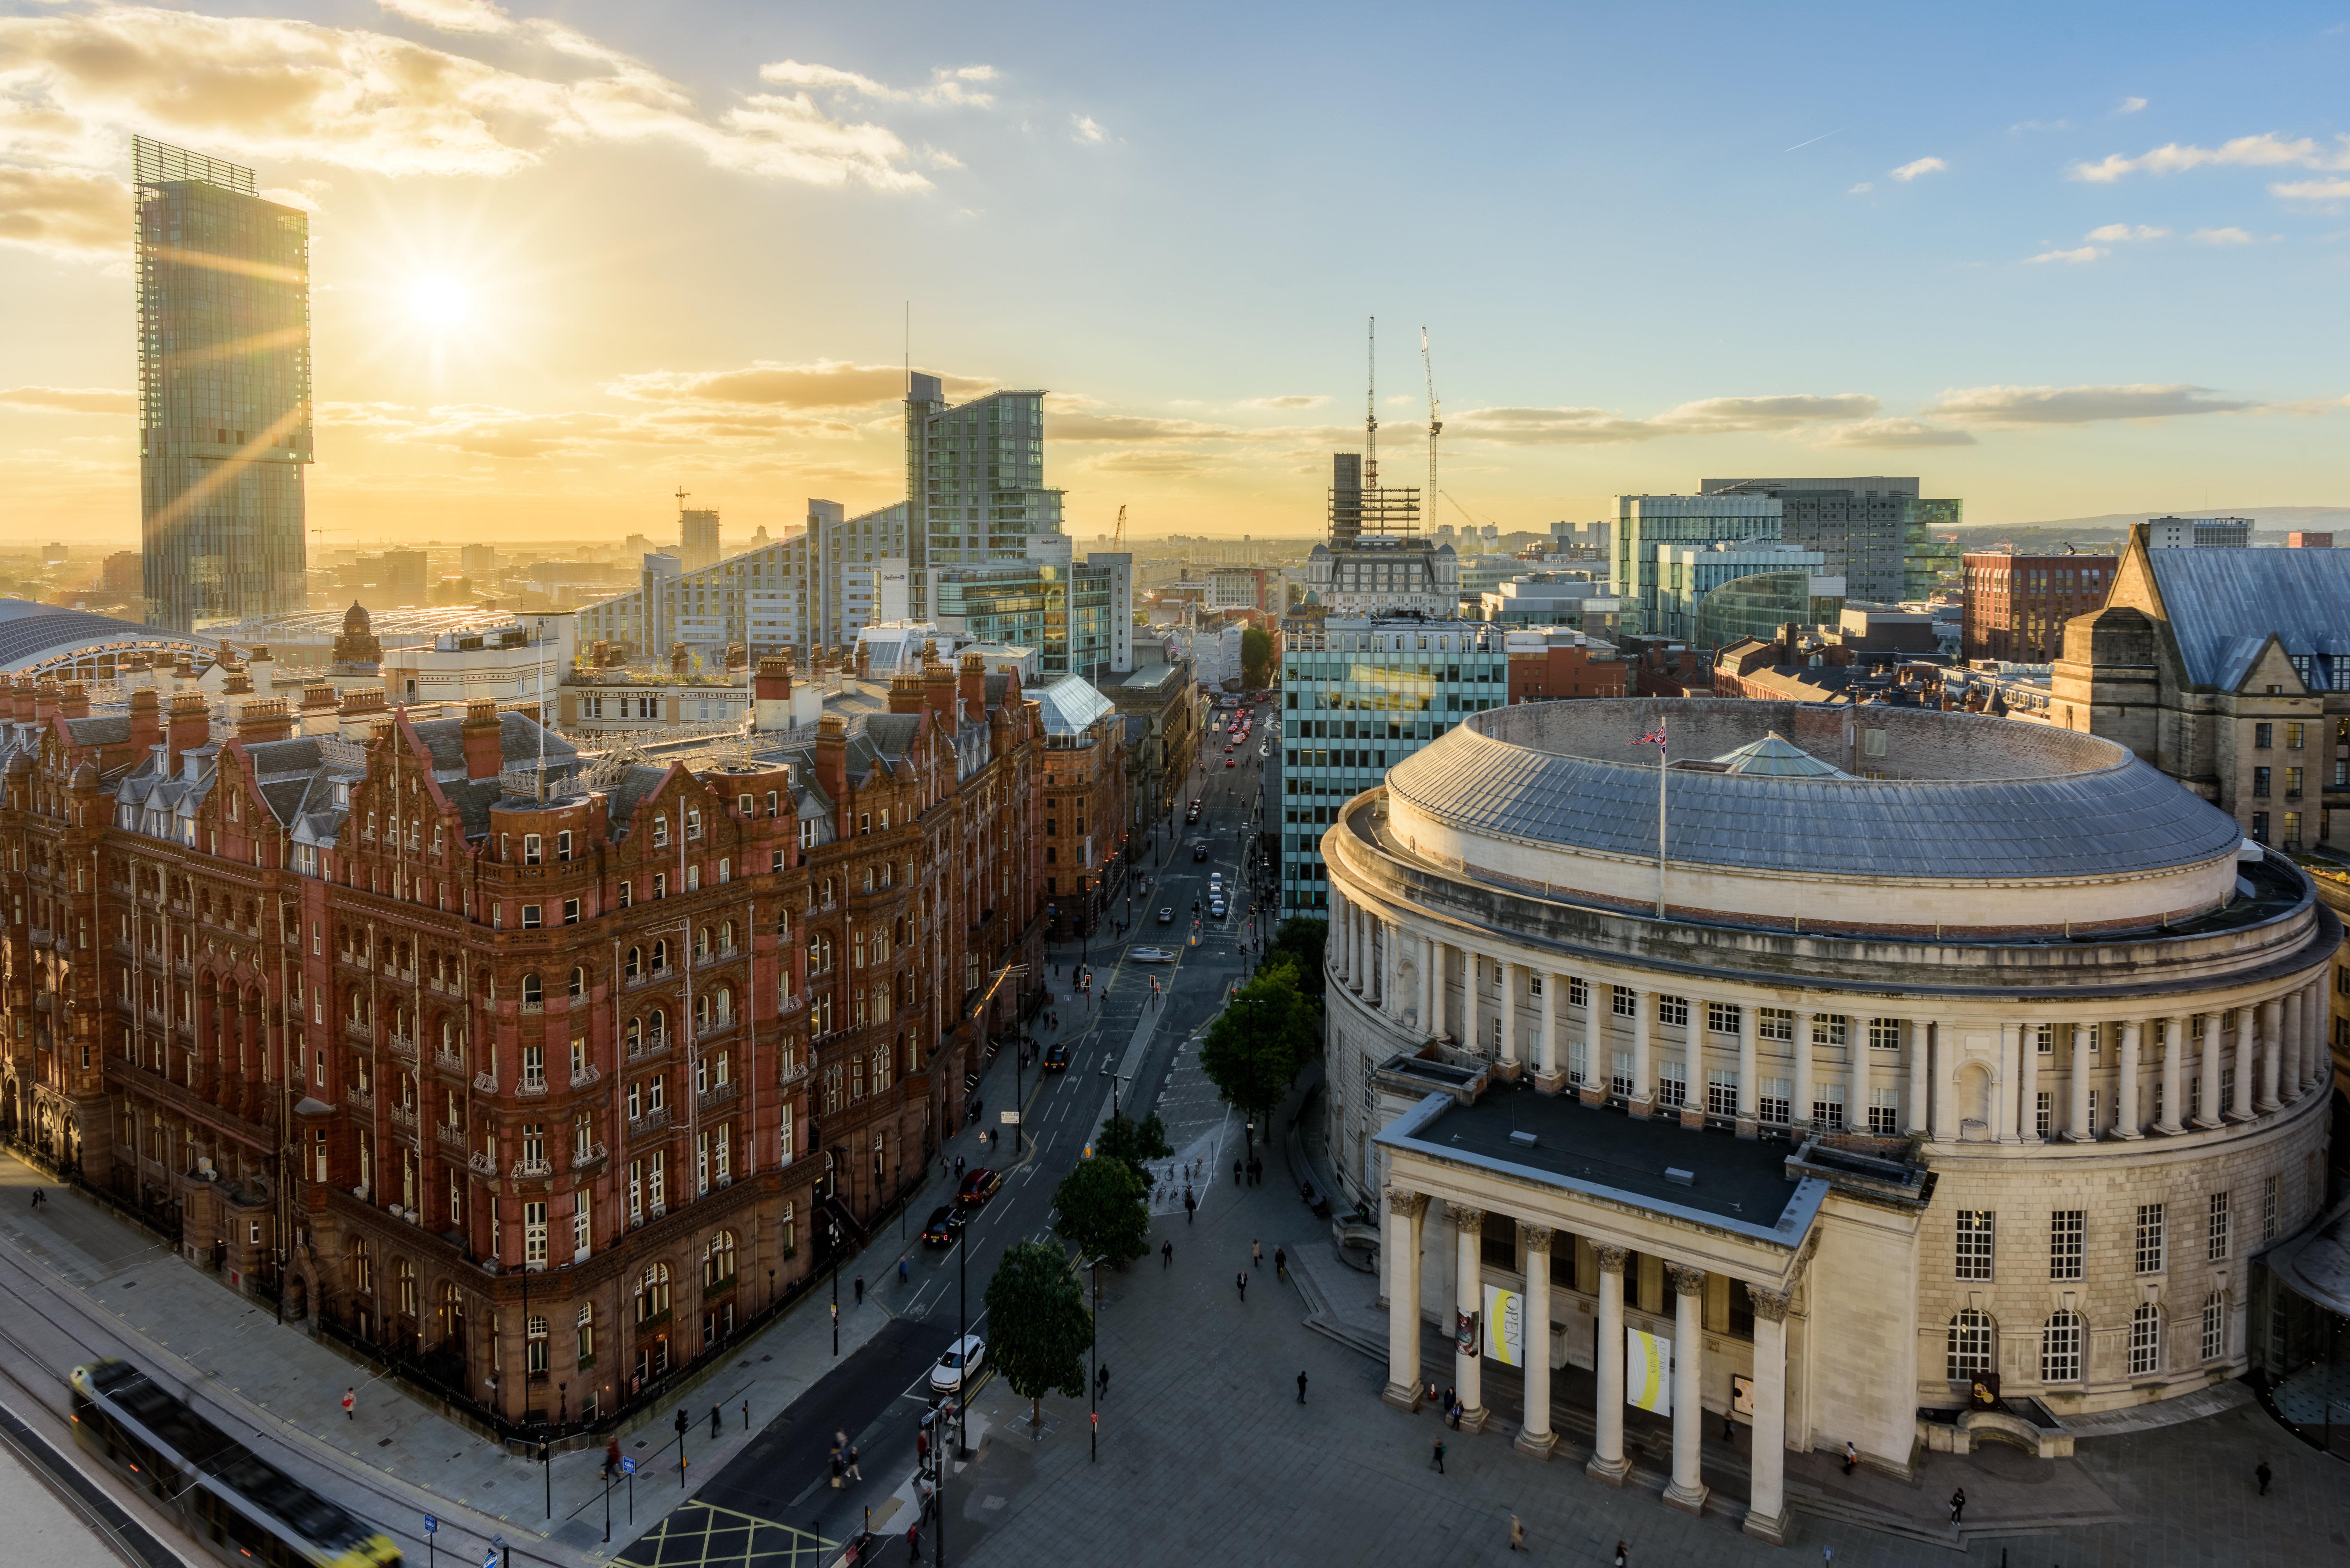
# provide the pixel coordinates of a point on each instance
(627, 1466)
(432, 1525)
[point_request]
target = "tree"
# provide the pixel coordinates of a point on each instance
(1102, 1208)
(1256, 654)
(1303, 941)
(1124, 1139)
(1258, 1042)
(1039, 1327)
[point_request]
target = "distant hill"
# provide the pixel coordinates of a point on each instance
(2103, 534)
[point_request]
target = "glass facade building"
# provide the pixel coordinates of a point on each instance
(1686, 577)
(1359, 695)
(223, 284)
(1759, 604)
(1649, 525)
(1067, 612)
(974, 478)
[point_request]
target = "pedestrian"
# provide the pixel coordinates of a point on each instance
(922, 1449)
(1301, 1388)
(1440, 1455)
(713, 1423)
(1729, 1429)
(1256, 1254)
(1191, 1205)
(1623, 1555)
(901, 1271)
(1851, 1459)
(1281, 1263)
(1166, 1254)
(351, 1403)
(854, 1473)
(958, 1165)
(835, 1470)
(1517, 1535)
(914, 1541)
(746, 1415)
(611, 1458)
(1444, 1410)
(1244, 1284)
(861, 1290)
(1459, 1410)
(2264, 1475)
(1237, 1168)
(1431, 1397)
(1101, 1382)
(1957, 1504)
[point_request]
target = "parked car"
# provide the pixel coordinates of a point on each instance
(944, 1226)
(1166, 916)
(1150, 955)
(978, 1187)
(963, 1359)
(1057, 1057)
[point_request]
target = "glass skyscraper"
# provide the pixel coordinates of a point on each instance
(224, 282)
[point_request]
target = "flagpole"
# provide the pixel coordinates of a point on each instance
(1660, 819)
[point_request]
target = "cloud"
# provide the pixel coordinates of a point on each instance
(1893, 432)
(1916, 166)
(2076, 255)
(2022, 126)
(1152, 464)
(63, 211)
(70, 399)
(950, 85)
(1084, 128)
(823, 384)
(2229, 236)
(2116, 233)
(1709, 416)
(2129, 106)
(453, 15)
(2311, 190)
(1863, 189)
(2078, 405)
(256, 88)
(2266, 151)
(1288, 400)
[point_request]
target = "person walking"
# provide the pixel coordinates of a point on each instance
(1256, 1254)
(2264, 1475)
(1101, 1382)
(1166, 1254)
(854, 1473)
(746, 1415)
(901, 1271)
(713, 1423)
(958, 1165)
(1301, 1388)
(1851, 1459)
(611, 1459)
(1444, 1410)
(1281, 1263)
(861, 1290)
(1957, 1504)
(1191, 1205)
(1623, 1555)
(1517, 1535)
(1244, 1284)
(1438, 1460)
(1237, 1169)
(914, 1541)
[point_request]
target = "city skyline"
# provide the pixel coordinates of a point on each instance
(562, 268)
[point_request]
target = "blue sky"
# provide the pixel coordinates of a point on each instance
(2055, 261)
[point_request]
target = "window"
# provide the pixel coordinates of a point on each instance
(530, 851)
(534, 1236)
(2067, 1235)
(1970, 1346)
(1829, 1029)
(653, 1292)
(1623, 1000)
(532, 992)
(660, 833)
(2044, 1113)
(1578, 994)
(2214, 1326)
(533, 1068)
(2146, 1340)
(1672, 1083)
(2292, 737)
(2060, 1348)
(1774, 1024)
(2149, 1239)
(2260, 824)
(2046, 1044)
(1672, 1010)
(578, 980)
(582, 1225)
(634, 964)
(1827, 1107)
(587, 1334)
(2216, 1234)
(693, 823)
(1721, 1093)
(1773, 1103)
(718, 1260)
(1885, 1113)
(628, 894)
(1974, 1243)
(2272, 1200)
(1724, 1017)
(563, 844)
(2263, 736)
(2260, 780)
(1885, 1035)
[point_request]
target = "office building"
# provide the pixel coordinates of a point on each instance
(2014, 607)
(1550, 663)
(223, 283)
(1843, 1118)
(1649, 525)
(480, 563)
(2198, 533)
(975, 479)
(2298, 540)
(1876, 533)
(1359, 694)
(1758, 603)
(1569, 598)
(1687, 573)
(697, 537)
(1241, 587)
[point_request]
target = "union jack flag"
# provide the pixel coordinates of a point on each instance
(1655, 737)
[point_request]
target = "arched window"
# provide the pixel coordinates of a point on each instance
(1970, 1345)
(533, 993)
(404, 1274)
(2060, 1348)
(636, 1035)
(661, 955)
(2146, 1340)
(701, 943)
(578, 980)
(718, 1260)
(2214, 1326)
(725, 936)
(634, 965)
(656, 1029)
(653, 1293)
(723, 1000)
(362, 1268)
(701, 1013)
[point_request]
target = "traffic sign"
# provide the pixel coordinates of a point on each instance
(1010, 1118)
(628, 1465)
(432, 1525)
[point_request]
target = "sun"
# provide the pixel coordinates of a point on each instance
(437, 299)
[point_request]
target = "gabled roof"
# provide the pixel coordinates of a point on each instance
(1071, 706)
(2222, 605)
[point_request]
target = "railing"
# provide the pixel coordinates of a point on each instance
(652, 1045)
(651, 1122)
(720, 1094)
(530, 1088)
(449, 1062)
(715, 1027)
(792, 1003)
(363, 1098)
(449, 1137)
(403, 1116)
(482, 1164)
(716, 955)
(583, 1076)
(593, 1155)
(402, 1046)
(791, 1070)
(362, 1032)
(486, 1082)
(539, 1006)
(528, 1170)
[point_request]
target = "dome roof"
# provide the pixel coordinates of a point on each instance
(1779, 757)
(354, 620)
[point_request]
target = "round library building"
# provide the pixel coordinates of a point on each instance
(1935, 1084)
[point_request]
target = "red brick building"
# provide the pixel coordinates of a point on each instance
(1546, 666)
(1086, 822)
(548, 1075)
(2015, 606)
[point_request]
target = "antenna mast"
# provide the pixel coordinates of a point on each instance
(1435, 423)
(1371, 414)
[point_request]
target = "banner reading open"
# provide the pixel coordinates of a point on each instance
(1647, 1371)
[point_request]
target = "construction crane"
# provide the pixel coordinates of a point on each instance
(1371, 414)
(1118, 541)
(1435, 423)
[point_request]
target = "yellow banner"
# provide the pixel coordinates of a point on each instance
(1648, 1372)
(1505, 1332)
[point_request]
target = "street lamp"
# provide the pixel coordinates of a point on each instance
(1094, 1319)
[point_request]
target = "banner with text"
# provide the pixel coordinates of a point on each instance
(1647, 1371)
(1505, 1329)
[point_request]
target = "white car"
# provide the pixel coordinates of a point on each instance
(1215, 883)
(1150, 955)
(966, 1354)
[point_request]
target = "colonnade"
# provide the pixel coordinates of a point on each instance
(1406, 1219)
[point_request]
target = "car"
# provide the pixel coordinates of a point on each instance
(1150, 955)
(1216, 906)
(962, 1359)
(1229, 762)
(1199, 852)
(944, 1226)
(1057, 1057)
(1260, 754)
(978, 1187)
(1166, 915)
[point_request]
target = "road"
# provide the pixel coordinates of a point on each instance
(773, 1500)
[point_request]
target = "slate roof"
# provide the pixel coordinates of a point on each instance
(2223, 603)
(2120, 818)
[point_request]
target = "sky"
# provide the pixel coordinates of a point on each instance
(570, 259)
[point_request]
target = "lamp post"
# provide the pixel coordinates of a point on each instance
(1094, 1318)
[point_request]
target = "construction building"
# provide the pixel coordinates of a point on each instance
(1876, 533)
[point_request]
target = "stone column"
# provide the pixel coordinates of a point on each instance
(1385, 934)
(2316, 1050)
(2289, 1047)
(1535, 1436)
(2003, 1104)
(1920, 1098)
(1643, 1097)
(1687, 1490)
(1358, 963)
(1546, 1044)
(2174, 1079)
(2076, 1116)
(1509, 975)
(1749, 1066)
(1608, 1462)
(1766, 1506)
(1471, 1035)
(1468, 1296)
(2272, 1038)
(1338, 934)
(2125, 1107)
(1946, 1085)
(2027, 1099)
(1432, 986)
(2207, 1069)
(1406, 1214)
(1806, 1093)
(2239, 1108)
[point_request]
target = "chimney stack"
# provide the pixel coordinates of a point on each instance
(973, 689)
(73, 700)
(318, 710)
(770, 693)
(268, 719)
(356, 719)
(832, 767)
(146, 721)
(191, 724)
(906, 692)
(483, 733)
(939, 689)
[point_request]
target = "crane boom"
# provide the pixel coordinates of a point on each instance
(1118, 543)
(1435, 423)
(1371, 414)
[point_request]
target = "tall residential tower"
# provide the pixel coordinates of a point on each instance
(223, 389)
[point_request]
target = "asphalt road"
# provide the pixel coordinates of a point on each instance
(879, 1393)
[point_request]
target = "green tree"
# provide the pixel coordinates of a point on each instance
(1302, 940)
(1124, 1139)
(1102, 1208)
(1039, 1329)
(1256, 655)
(1259, 1041)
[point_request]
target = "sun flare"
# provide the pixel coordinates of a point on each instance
(439, 300)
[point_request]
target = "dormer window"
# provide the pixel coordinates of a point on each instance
(693, 823)
(660, 833)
